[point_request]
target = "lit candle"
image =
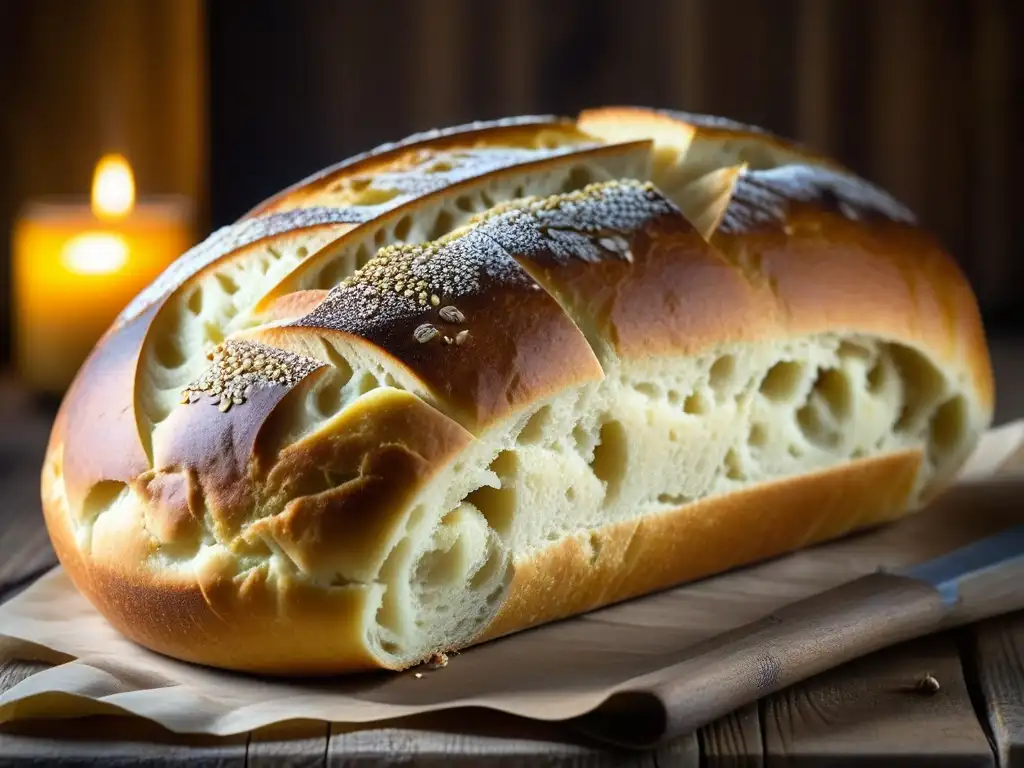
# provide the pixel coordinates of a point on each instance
(77, 264)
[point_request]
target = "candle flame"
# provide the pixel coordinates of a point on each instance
(95, 253)
(113, 188)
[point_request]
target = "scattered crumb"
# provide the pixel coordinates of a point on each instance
(928, 685)
(437, 661)
(419, 674)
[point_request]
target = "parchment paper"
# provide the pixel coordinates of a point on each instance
(557, 672)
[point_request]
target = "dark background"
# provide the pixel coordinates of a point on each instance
(228, 101)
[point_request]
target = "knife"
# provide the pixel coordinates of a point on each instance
(802, 639)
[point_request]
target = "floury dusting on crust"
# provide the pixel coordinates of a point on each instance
(764, 197)
(402, 280)
(239, 366)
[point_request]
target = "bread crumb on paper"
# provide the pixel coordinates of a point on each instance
(437, 661)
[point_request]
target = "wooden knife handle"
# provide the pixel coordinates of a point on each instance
(792, 644)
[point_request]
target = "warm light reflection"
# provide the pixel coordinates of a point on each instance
(95, 253)
(113, 187)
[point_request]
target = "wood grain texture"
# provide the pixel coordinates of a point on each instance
(25, 551)
(733, 741)
(480, 737)
(998, 662)
(289, 745)
(873, 709)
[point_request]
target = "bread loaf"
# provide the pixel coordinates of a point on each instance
(493, 376)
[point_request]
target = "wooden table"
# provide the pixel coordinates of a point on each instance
(867, 712)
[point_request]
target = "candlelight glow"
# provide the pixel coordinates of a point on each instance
(113, 188)
(95, 253)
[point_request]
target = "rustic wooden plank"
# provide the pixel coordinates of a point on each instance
(25, 551)
(997, 660)
(289, 745)
(733, 741)
(478, 737)
(114, 741)
(107, 741)
(875, 708)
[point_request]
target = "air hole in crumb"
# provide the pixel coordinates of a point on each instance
(795, 450)
(214, 334)
(878, 377)
(758, 436)
(498, 505)
(578, 178)
(301, 252)
(488, 200)
(227, 284)
(833, 386)
(389, 646)
(403, 228)
(101, 497)
(441, 166)
(379, 237)
(722, 373)
(611, 458)
(815, 428)
(673, 436)
(695, 404)
(464, 203)
(442, 225)
(374, 196)
(328, 399)
(446, 566)
(782, 381)
(570, 494)
(674, 398)
(851, 350)
(535, 428)
(580, 438)
(195, 301)
(948, 427)
(389, 381)
(168, 353)
(648, 389)
(733, 470)
(923, 387)
(674, 499)
(518, 191)
(367, 381)
(488, 570)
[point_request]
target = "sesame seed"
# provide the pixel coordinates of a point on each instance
(425, 333)
(452, 314)
(239, 366)
(590, 224)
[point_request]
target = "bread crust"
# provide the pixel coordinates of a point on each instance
(271, 517)
(635, 557)
(303, 629)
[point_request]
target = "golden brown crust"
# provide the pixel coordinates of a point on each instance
(388, 445)
(464, 319)
(349, 485)
(619, 561)
(252, 624)
(416, 193)
(634, 557)
(512, 132)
